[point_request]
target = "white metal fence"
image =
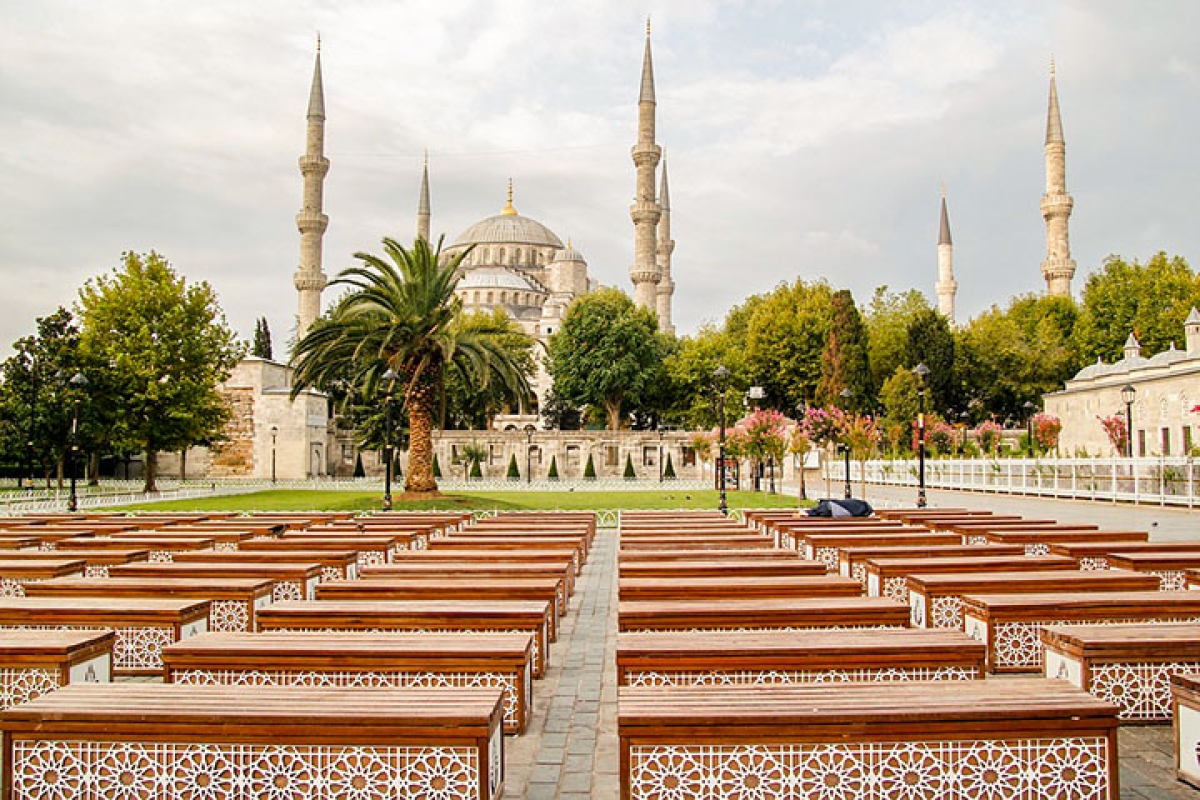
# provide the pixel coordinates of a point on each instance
(1173, 481)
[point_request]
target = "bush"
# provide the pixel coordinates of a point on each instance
(359, 472)
(630, 475)
(669, 471)
(553, 473)
(589, 471)
(437, 469)
(476, 472)
(513, 473)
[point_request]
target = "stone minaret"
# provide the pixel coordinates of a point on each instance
(309, 279)
(1059, 267)
(423, 206)
(645, 211)
(947, 287)
(666, 246)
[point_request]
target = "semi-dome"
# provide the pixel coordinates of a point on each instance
(496, 278)
(569, 253)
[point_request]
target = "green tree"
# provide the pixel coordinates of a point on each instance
(1150, 300)
(887, 319)
(469, 405)
(401, 314)
(559, 415)
(605, 353)
(669, 470)
(163, 347)
(437, 468)
(689, 368)
(589, 470)
(261, 348)
(845, 360)
(629, 472)
(552, 474)
(931, 343)
(514, 473)
(785, 334)
(899, 397)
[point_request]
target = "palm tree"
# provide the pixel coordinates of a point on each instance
(401, 314)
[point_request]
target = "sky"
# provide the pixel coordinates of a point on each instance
(805, 140)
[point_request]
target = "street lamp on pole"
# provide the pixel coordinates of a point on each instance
(1128, 394)
(846, 394)
(801, 410)
(79, 381)
(274, 433)
(528, 455)
(390, 376)
(661, 433)
(1029, 409)
(921, 371)
(720, 384)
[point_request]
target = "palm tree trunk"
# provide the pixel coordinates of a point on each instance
(420, 442)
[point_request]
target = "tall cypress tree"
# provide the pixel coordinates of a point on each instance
(262, 340)
(845, 361)
(930, 342)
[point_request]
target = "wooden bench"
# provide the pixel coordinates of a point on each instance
(369, 551)
(144, 740)
(1038, 543)
(235, 601)
(1010, 624)
(15, 542)
(335, 565)
(692, 554)
(16, 575)
(824, 547)
(1129, 666)
(1171, 566)
(465, 568)
(362, 660)
(1094, 555)
(697, 542)
(950, 739)
(143, 626)
(888, 577)
(463, 542)
(453, 555)
(760, 657)
(416, 616)
(936, 599)
(397, 540)
(161, 549)
(223, 539)
(790, 533)
(1185, 700)
(741, 587)
(289, 580)
(544, 590)
(96, 562)
(790, 614)
(37, 662)
(715, 568)
(851, 559)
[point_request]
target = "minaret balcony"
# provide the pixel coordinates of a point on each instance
(644, 214)
(312, 222)
(639, 274)
(646, 154)
(1057, 205)
(309, 282)
(314, 165)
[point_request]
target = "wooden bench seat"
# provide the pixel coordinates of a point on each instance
(716, 567)
(824, 547)
(758, 657)
(369, 551)
(16, 575)
(567, 556)
(749, 541)
(18, 542)
(1129, 666)
(235, 601)
(946, 522)
(37, 662)
(1010, 624)
(161, 548)
(851, 559)
(692, 554)
(788, 534)
(796, 613)
(223, 539)
(96, 562)
(465, 568)
(741, 587)
(936, 599)
(1037, 542)
(949, 739)
(396, 540)
(289, 580)
(461, 541)
(888, 577)
(416, 616)
(137, 740)
(1171, 566)
(547, 589)
(335, 565)
(362, 660)
(143, 626)
(1094, 555)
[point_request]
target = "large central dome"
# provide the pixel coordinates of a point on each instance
(508, 229)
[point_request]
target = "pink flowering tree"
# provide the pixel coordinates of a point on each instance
(705, 448)
(1117, 432)
(940, 435)
(988, 434)
(799, 445)
(826, 428)
(862, 437)
(1046, 430)
(765, 437)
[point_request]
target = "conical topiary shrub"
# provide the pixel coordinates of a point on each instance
(359, 472)
(437, 469)
(553, 473)
(513, 474)
(630, 475)
(669, 471)
(589, 471)
(476, 472)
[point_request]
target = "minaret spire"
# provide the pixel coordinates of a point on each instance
(666, 246)
(309, 280)
(946, 287)
(1059, 267)
(645, 212)
(423, 205)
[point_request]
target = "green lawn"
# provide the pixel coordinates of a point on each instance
(317, 500)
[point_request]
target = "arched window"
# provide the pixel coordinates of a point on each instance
(503, 297)
(501, 259)
(517, 256)
(489, 298)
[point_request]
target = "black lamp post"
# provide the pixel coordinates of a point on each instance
(661, 432)
(1029, 409)
(720, 383)
(1128, 393)
(528, 456)
(846, 394)
(78, 381)
(274, 433)
(800, 412)
(390, 376)
(920, 370)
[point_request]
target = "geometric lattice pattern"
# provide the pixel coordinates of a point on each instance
(534, 651)
(20, 685)
(332, 574)
(896, 587)
(133, 648)
(947, 611)
(95, 571)
(1092, 563)
(287, 590)
(10, 587)
(57, 770)
(781, 676)
(161, 557)
(976, 769)
(345, 679)
(371, 558)
(1037, 549)
(1171, 580)
(1019, 644)
(827, 556)
(1142, 691)
(859, 573)
(229, 616)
